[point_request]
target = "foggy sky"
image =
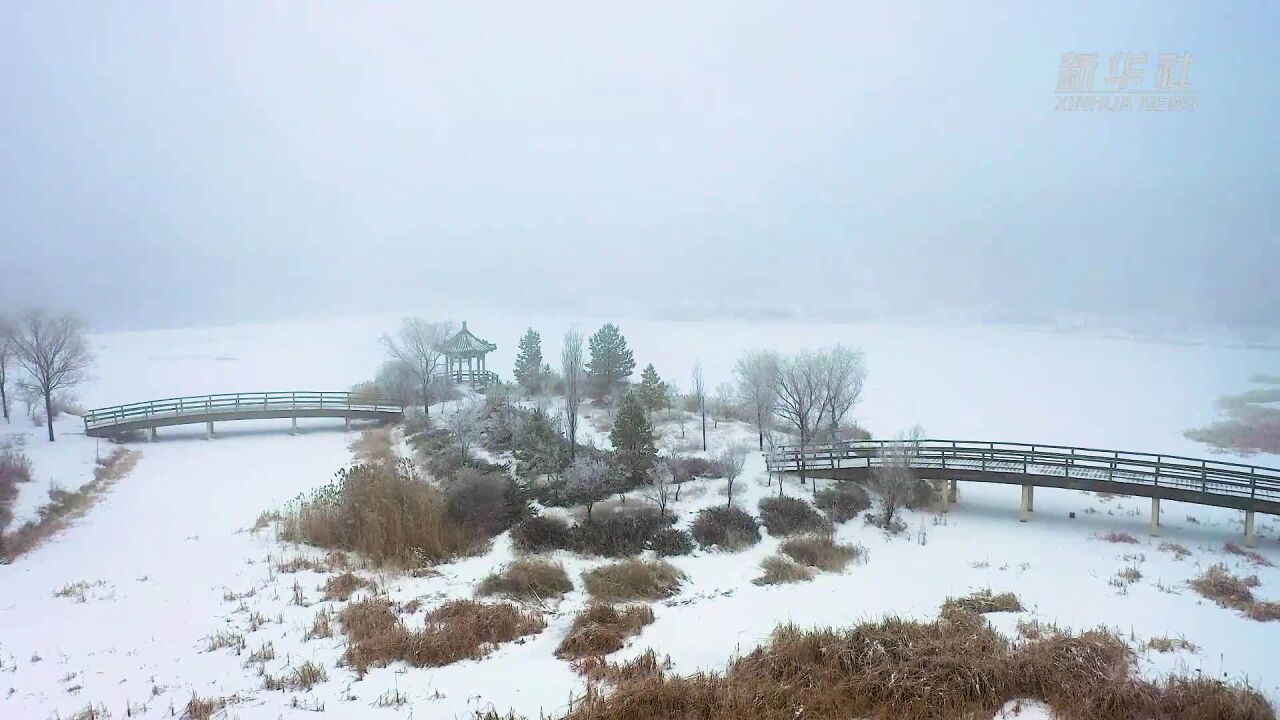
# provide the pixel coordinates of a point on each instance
(193, 163)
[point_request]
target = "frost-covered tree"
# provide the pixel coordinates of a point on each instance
(798, 390)
(661, 489)
(395, 380)
(611, 360)
(420, 346)
(6, 355)
(893, 480)
(632, 438)
(53, 352)
(700, 394)
(731, 461)
(528, 369)
(724, 402)
(464, 424)
(756, 372)
(653, 392)
(842, 374)
(588, 481)
(574, 379)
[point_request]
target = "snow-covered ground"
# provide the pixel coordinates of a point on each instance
(163, 551)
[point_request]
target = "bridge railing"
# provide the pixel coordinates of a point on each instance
(236, 402)
(1173, 471)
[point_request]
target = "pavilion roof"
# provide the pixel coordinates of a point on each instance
(465, 343)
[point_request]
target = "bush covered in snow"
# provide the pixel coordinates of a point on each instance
(633, 579)
(540, 533)
(670, 541)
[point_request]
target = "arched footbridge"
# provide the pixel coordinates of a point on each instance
(209, 409)
(1249, 488)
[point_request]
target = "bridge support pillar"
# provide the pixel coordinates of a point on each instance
(346, 425)
(1155, 517)
(294, 431)
(208, 430)
(951, 491)
(1028, 494)
(1250, 540)
(151, 434)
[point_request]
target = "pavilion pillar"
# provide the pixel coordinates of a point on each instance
(1155, 516)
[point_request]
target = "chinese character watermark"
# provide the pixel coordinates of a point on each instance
(1170, 89)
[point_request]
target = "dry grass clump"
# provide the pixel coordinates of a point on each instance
(374, 446)
(301, 677)
(779, 570)
(1179, 551)
(955, 667)
(385, 512)
(788, 515)
(226, 639)
(822, 552)
(1168, 644)
(457, 630)
(982, 601)
(726, 528)
(633, 579)
(1227, 590)
(64, 506)
(645, 666)
(1127, 576)
(1253, 556)
(528, 579)
(601, 629)
(340, 587)
(1119, 537)
(15, 467)
(320, 626)
(199, 708)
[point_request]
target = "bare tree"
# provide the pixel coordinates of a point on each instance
(574, 381)
(53, 352)
(893, 480)
(723, 404)
(842, 374)
(29, 394)
(731, 461)
(464, 424)
(420, 346)
(673, 407)
(396, 380)
(757, 371)
(700, 393)
(661, 488)
(6, 354)
(589, 481)
(798, 389)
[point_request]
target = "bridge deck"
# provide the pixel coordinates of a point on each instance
(1194, 480)
(103, 422)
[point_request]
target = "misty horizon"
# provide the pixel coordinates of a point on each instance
(200, 165)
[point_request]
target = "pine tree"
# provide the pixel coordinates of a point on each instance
(528, 370)
(653, 392)
(632, 438)
(611, 360)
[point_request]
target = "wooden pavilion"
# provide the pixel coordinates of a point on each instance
(464, 359)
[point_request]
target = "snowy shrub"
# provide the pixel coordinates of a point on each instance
(633, 580)
(530, 579)
(620, 536)
(541, 533)
(15, 467)
(670, 541)
(1227, 590)
(843, 502)
(686, 468)
(728, 528)
(787, 515)
(340, 587)
(385, 512)
(822, 552)
(779, 570)
(600, 629)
